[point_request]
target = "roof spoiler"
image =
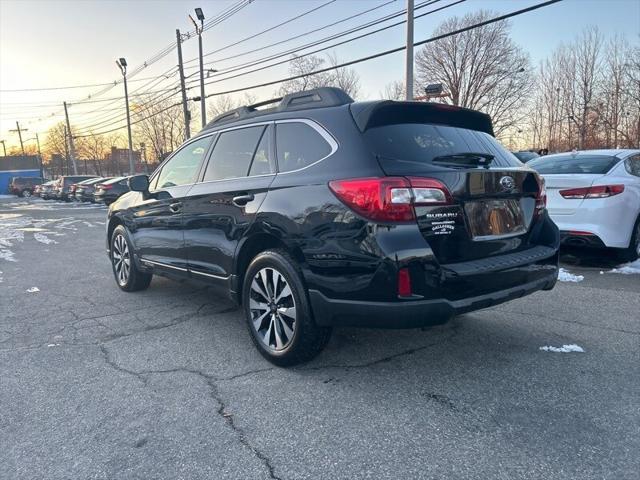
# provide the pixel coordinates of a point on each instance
(387, 112)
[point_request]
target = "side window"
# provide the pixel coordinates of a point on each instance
(632, 164)
(232, 153)
(262, 163)
(298, 146)
(182, 168)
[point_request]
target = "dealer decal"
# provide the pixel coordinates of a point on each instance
(445, 227)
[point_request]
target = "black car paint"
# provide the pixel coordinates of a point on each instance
(349, 264)
(111, 195)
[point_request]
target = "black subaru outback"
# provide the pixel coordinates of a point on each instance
(321, 211)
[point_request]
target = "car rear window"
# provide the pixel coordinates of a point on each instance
(563, 164)
(403, 148)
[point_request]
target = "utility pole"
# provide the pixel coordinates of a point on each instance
(4, 148)
(72, 148)
(185, 108)
(122, 63)
(408, 78)
(19, 130)
(66, 153)
(40, 157)
(199, 30)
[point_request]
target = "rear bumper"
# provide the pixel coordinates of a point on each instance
(413, 314)
(570, 239)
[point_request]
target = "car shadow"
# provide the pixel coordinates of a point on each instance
(589, 258)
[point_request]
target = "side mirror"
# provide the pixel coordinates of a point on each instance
(139, 183)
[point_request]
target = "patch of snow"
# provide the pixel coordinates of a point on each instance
(8, 196)
(7, 255)
(566, 276)
(563, 349)
(33, 290)
(89, 224)
(42, 238)
(628, 269)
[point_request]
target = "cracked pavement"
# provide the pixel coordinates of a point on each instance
(101, 384)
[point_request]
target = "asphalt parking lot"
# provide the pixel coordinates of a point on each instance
(96, 383)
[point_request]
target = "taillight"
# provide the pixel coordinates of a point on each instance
(599, 191)
(105, 187)
(389, 199)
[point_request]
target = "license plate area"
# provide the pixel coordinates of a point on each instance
(495, 218)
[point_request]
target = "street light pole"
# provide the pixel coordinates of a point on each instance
(122, 64)
(408, 80)
(72, 147)
(199, 30)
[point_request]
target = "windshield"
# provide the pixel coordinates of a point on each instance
(568, 164)
(404, 147)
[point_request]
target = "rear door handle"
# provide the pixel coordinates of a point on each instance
(175, 207)
(242, 200)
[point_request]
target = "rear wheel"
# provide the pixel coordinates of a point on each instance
(26, 193)
(277, 310)
(128, 277)
(632, 252)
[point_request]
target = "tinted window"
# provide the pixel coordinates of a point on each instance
(262, 163)
(298, 146)
(404, 147)
(632, 164)
(596, 164)
(182, 168)
(232, 153)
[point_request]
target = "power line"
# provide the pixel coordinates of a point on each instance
(338, 35)
(393, 50)
(314, 9)
(362, 59)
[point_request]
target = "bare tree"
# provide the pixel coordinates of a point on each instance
(160, 126)
(93, 148)
(224, 103)
(481, 68)
(305, 67)
(393, 91)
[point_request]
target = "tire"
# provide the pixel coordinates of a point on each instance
(632, 252)
(127, 275)
(278, 313)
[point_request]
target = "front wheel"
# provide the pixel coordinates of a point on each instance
(277, 310)
(26, 193)
(128, 277)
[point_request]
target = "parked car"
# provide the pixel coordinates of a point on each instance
(594, 198)
(526, 155)
(63, 185)
(46, 189)
(24, 186)
(109, 191)
(323, 211)
(84, 190)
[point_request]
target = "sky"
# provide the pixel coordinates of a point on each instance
(53, 43)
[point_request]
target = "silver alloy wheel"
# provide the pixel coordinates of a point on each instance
(26, 193)
(121, 259)
(273, 309)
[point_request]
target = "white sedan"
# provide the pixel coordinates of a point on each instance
(594, 197)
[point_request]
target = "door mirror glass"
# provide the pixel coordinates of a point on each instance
(139, 183)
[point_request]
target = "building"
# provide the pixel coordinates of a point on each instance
(17, 166)
(118, 161)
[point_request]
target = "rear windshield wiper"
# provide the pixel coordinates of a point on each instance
(467, 159)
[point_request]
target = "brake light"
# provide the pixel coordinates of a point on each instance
(389, 199)
(404, 283)
(599, 191)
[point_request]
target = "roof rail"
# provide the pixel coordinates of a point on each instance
(316, 98)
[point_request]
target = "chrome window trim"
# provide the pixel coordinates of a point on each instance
(173, 154)
(144, 260)
(318, 128)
